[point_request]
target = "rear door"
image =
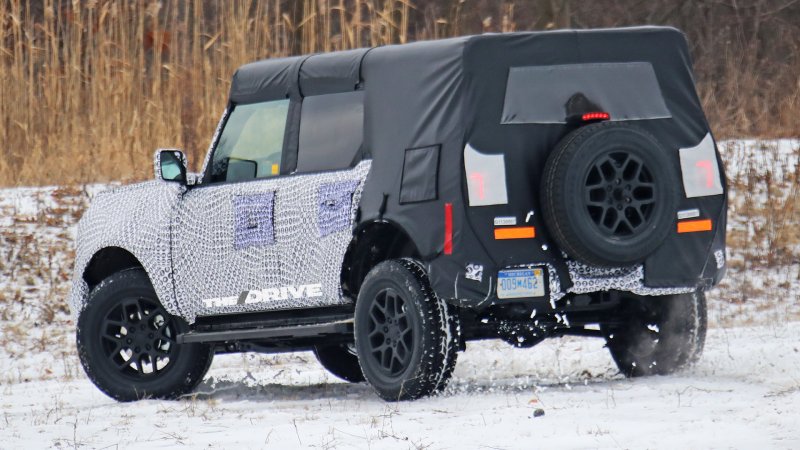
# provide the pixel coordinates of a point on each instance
(329, 176)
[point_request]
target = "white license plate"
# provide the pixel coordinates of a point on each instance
(520, 283)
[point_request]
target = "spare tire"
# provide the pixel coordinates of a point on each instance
(609, 194)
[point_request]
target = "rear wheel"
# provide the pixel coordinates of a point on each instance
(406, 337)
(341, 361)
(126, 342)
(658, 335)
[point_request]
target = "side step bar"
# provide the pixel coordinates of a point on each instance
(257, 334)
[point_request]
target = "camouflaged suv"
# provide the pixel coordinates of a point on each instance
(382, 207)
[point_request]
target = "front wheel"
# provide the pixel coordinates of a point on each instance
(341, 361)
(127, 342)
(657, 335)
(406, 337)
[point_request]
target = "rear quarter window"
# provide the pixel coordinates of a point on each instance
(331, 131)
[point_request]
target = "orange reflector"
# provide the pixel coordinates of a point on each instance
(515, 233)
(692, 226)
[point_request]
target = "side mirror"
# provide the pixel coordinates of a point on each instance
(170, 165)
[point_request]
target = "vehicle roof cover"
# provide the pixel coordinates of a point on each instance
(507, 94)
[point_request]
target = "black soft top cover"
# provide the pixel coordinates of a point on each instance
(451, 92)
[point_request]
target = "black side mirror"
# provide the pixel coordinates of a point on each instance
(170, 165)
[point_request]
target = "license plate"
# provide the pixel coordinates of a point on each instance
(520, 283)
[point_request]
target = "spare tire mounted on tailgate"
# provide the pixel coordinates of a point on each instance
(609, 194)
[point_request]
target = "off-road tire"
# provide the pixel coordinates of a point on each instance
(609, 194)
(434, 332)
(658, 335)
(340, 361)
(128, 298)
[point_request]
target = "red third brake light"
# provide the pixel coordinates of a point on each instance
(595, 116)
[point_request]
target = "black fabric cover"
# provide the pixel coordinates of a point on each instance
(269, 79)
(420, 174)
(295, 78)
(329, 73)
(450, 92)
(527, 146)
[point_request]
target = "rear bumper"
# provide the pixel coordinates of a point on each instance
(685, 263)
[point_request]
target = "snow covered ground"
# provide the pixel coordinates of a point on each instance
(744, 393)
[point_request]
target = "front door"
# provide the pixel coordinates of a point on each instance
(250, 238)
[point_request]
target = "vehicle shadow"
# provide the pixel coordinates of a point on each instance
(259, 391)
(251, 390)
(527, 383)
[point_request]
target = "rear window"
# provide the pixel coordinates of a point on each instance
(251, 144)
(553, 94)
(331, 131)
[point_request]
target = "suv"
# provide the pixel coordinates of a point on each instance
(381, 207)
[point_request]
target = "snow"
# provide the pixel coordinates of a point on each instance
(741, 156)
(744, 392)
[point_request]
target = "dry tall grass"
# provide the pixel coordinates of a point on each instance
(88, 89)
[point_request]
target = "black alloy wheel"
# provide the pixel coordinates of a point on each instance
(391, 332)
(406, 337)
(620, 194)
(127, 342)
(139, 337)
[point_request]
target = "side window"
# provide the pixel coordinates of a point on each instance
(331, 131)
(251, 144)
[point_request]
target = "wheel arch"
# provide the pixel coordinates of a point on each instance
(108, 261)
(374, 242)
